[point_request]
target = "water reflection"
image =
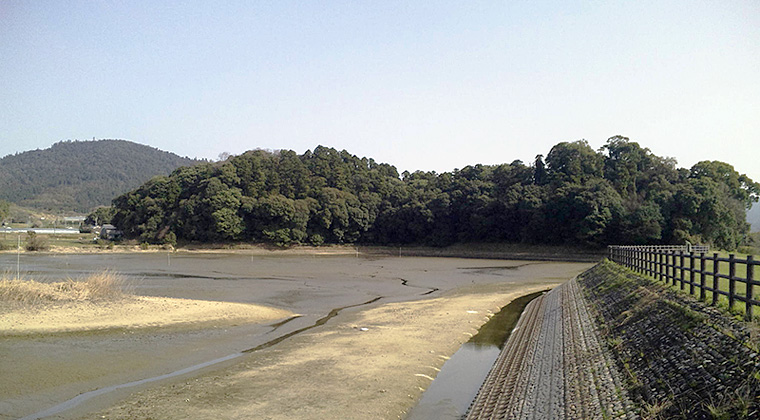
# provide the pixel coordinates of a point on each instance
(453, 390)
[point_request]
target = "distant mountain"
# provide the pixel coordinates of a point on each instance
(80, 175)
(753, 217)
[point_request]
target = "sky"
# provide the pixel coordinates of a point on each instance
(421, 85)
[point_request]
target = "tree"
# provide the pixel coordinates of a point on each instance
(5, 210)
(100, 216)
(576, 196)
(625, 164)
(584, 213)
(540, 177)
(641, 223)
(221, 203)
(574, 163)
(740, 187)
(279, 219)
(33, 242)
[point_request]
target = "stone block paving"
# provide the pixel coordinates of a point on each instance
(554, 366)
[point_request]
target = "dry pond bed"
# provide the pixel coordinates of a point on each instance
(370, 361)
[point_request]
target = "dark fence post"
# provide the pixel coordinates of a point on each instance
(621, 256)
(716, 272)
(682, 273)
(691, 273)
(731, 281)
(750, 294)
(635, 259)
(631, 262)
(623, 259)
(667, 267)
(659, 265)
(702, 277)
(637, 256)
(642, 261)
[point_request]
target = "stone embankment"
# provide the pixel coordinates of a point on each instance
(682, 358)
(613, 345)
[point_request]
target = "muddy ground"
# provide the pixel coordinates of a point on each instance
(371, 361)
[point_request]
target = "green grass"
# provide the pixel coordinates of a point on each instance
(740, 288)
(9, 241)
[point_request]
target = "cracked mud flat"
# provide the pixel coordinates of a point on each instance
(369, 361)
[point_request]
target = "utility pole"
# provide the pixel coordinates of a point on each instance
(18, 257)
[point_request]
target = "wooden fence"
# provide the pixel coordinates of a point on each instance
(689, 267)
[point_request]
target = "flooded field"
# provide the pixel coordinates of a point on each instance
(355, 315)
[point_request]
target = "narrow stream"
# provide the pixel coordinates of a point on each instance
(453, 390)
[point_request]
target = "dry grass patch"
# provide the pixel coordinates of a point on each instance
(99, 286)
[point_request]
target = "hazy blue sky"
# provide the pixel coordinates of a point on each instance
(421, 85)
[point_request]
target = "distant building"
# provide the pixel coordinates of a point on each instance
(110, 232)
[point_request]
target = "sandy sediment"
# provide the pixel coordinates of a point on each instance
(369, 364)
(133, 312)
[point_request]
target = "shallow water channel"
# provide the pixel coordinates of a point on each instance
(453, 390)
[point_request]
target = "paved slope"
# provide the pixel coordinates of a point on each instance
(553, 367)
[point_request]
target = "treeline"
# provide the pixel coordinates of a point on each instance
(81, 175)
(575, 195)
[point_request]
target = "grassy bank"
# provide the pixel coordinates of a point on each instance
(11, 241)
(494, 251)
(682, 358)
(723, 284)
(26, 292)
(83, 243)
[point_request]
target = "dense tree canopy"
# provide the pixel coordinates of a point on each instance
(575, 195)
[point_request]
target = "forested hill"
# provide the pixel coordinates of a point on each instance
(80, 175)
(575, 195)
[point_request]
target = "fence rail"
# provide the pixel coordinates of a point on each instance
(676, 248)
(688, 266)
